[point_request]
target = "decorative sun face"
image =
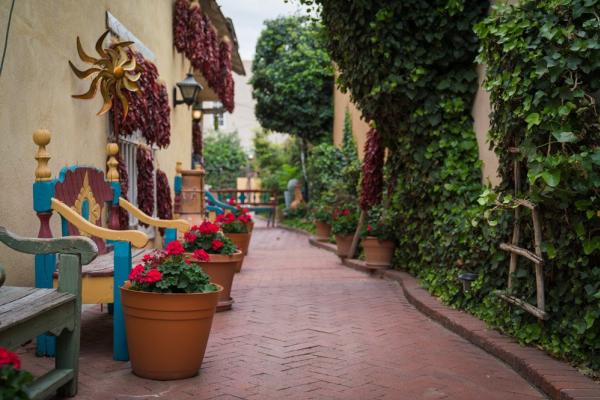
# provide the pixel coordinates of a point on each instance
(115, 72)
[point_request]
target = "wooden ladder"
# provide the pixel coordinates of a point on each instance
(516, 251)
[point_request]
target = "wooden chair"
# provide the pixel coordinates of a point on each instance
(27, 312)
(79, 195)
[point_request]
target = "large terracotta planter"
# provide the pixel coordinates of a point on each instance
(323, 231)
(378, 253)
(167, 333)
(242, 241)
(343, 242)
(221, 269)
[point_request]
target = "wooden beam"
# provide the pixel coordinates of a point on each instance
(531, 309)
(522, 252)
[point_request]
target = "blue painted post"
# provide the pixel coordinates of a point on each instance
(122, 261)
(45, 264)
(170, 235)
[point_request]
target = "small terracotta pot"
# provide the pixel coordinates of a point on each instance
(242, 241)
(221, 269)
(343, 242)
(323, 231)
(378, 253)
(167, 333)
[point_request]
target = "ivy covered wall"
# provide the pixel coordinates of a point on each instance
(416, 78)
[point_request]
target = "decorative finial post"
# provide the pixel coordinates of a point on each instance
(177, 189)
(112, 173)
(41, 138)
(178, 168)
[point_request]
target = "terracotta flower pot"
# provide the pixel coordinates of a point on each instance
(167, 333)
(343, 242)
(242, 241)
(221, 269)
(323, 231)
(250, 226)
(378, 253)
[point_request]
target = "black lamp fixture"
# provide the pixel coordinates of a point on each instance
(189, 89)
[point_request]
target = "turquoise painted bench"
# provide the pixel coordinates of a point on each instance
(261, 201)
(28, 312)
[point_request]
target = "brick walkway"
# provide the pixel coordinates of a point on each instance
(305, 327)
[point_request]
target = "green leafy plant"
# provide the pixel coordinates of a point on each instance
(378, 224)
(322, 212)
(13, 380)
(224, 159)
(171, 271)
(209, 238)
(345, 221)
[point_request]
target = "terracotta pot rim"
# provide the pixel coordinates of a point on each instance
(127, 284)
(238, 233)
(220, 258)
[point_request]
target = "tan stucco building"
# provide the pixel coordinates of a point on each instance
(36, 87)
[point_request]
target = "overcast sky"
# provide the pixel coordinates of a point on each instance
(248, 17)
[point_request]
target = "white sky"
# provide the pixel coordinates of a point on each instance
(248, 17)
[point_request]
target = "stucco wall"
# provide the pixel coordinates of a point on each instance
(35, 91)
(341, 102)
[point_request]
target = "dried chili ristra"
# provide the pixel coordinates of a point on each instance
(180, 25)
(145, 180)
(163, 197)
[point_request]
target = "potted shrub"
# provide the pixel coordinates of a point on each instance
(169, 304)
(13, 380)
(344, 227)
(223, 256)
(377, 242)
(322, 217)
(236, 229)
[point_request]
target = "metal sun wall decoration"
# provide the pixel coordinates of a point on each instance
(115, 72)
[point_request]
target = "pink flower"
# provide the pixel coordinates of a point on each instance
(201, 255)
(216, 244)
(189, 237)
(174, 248)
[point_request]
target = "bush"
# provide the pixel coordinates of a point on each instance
(224, 159)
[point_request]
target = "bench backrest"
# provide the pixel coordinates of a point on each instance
(86, 191)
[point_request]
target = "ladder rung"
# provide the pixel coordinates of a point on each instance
(525, 203)
(514, 150)
(531, 309)
(522, 252)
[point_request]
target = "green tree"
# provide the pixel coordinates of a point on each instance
(224, 159)
(293, 80)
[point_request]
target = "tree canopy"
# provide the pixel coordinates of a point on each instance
(293, 79)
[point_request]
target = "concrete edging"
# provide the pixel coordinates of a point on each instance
(557, 379)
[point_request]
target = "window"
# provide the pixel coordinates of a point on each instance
(128, 150)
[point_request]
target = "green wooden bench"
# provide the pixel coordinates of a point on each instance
(28, 312)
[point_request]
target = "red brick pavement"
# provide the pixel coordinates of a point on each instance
(305, 327)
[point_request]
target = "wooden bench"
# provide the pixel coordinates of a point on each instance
(27, 312)
(80, 195)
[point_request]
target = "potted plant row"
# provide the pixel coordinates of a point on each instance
(344, 227)
(218, 254)
(169, 304)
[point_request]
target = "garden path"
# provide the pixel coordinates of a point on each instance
(306, 327)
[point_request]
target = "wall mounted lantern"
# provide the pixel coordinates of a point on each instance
(189, 89)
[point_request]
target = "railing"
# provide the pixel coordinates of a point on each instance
(249, 197)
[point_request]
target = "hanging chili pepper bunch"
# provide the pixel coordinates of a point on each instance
(372, 180)
(197, 137)
(180, 24)
(163, 197)
(145, 180)
(200, 44)
(149, 111)
(225, 89)
(124, 183)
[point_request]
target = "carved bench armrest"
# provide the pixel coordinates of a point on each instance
(179, 224)
(136, 238)
(82, 246)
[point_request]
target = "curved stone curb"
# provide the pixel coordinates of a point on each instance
(557, 379)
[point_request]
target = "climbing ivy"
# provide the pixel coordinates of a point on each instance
(543, 77)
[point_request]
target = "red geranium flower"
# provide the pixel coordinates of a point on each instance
(201, 255)
(231, 201)
(153, 276)
(369, 228)
(148, 257)
(189, 237)
(244, 218)
(216, 244)
(208, 228)
(9, 358)
(137, 273)
(345, 212)
(174, 248)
